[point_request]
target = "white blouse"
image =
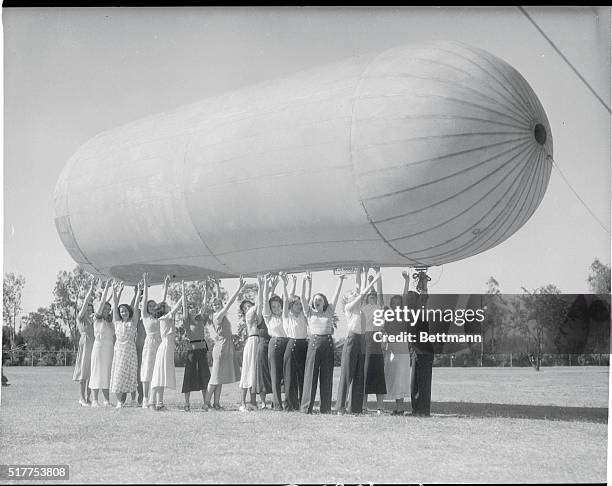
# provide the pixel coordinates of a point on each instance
(321, 323)
(275, 325)
(354, 320)
(296, 327)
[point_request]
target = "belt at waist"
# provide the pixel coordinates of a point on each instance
(299, 339)
(253, 335)
(321, 335)
(197, 341)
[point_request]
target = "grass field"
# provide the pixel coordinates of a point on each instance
(489, 425)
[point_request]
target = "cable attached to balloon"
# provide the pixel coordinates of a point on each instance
(576, 194)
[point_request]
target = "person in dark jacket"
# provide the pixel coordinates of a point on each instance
(421, 354)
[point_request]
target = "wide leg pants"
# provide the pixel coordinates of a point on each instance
(319, 368)
(420, 383)
(276, 354)
(351, 373)
(294, 363)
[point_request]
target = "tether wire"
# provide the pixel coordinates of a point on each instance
(586, 83)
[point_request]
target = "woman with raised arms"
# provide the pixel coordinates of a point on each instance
(150, 320)
(82, 365)
(248, 376)
(397, 354)
(352, 364)
(320, 355)
(164, 375)
(102, 350)
(374, 362)
(197, 372)
(273, 316)
(294, 360)
(224, 369)
(125, 365)
(264, 379)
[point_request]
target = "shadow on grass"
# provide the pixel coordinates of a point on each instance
(544, 412)
(508, 410)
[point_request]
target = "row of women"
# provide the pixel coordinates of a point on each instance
(290, 348)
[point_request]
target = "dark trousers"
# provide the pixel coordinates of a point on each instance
(319, 368)
(420, 383)
(294, 363)
(351, 373)
(276, 354)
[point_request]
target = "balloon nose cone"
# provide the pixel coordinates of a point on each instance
(539, 132)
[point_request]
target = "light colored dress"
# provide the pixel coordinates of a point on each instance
(82, 365)
(224, 369)
(248, 375)
(101, 355)
(125, 361)
(149, 350)
(163, 370)
(397, 363)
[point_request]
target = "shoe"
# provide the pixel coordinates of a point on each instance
(145, 405)
(380, 411)
(218, 407)
(95, 404)
(205, 408)
(83, 403)
(250, 407)
(119, 405)
(186, 408)
(161, 408)
(263, 406)
(106, 403)
(341, 411)
(151, 406)
(397, 412)
(243, 408)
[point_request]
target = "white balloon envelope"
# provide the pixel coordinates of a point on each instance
(416, 156)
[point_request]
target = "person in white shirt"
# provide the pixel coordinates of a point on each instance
(320, 356)
(273, 317)
(294, 360)
(248, 375)
(352, 363)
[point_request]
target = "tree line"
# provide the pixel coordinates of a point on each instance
(534, 322)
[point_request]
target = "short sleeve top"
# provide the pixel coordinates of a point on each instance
(223, 329)
(275, 325)
(103, 330)
(251, 321)
(354, 321)
(194, 328)
(321, 322)
(296, 327)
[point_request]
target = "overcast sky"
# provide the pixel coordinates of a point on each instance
(71, 73)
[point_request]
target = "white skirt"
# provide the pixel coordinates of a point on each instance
(149, 353)
(397, 375)
(163, 369)
(101, 364)
(248, 375)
